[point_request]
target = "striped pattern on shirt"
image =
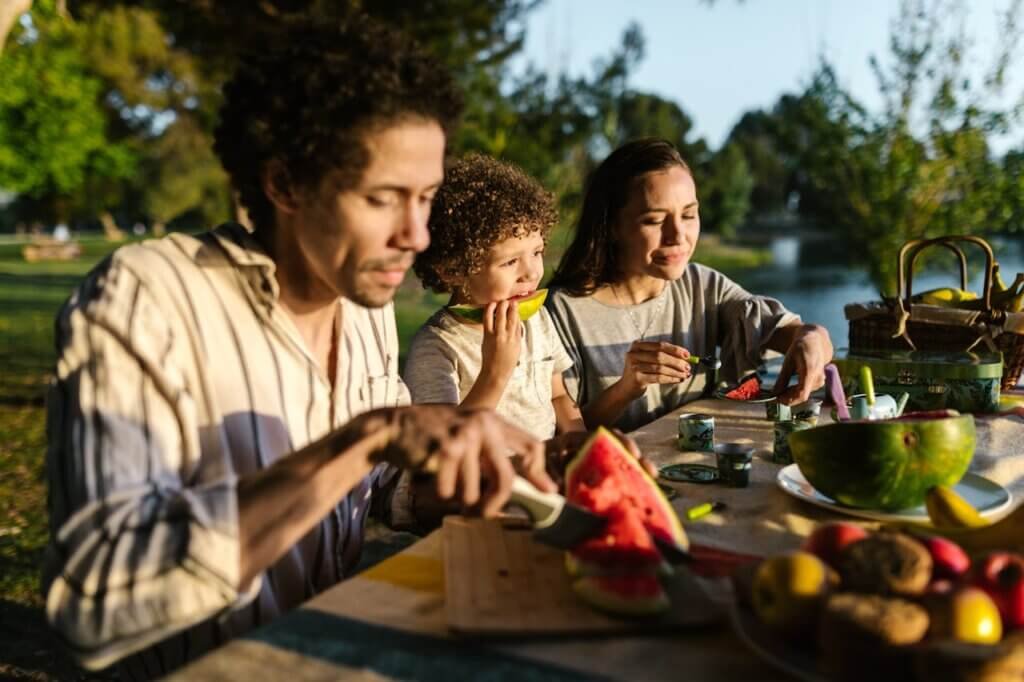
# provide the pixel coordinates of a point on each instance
(179, 372)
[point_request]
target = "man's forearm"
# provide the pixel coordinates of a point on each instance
(279, 505)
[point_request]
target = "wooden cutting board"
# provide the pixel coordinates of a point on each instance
(499, 581)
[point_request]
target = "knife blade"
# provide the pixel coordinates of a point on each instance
(556, 522)
(671, 552)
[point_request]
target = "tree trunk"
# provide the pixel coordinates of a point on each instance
(10, 10)
(110, 229)
(159, 228)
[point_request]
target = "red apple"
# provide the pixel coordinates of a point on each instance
(829, 540)
(949, 561)
(1001, 575)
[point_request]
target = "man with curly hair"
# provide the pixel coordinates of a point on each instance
(488, 231)
(227, 407)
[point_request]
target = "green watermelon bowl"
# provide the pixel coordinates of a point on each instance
(885, 465)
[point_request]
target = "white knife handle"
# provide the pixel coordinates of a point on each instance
(542, 507)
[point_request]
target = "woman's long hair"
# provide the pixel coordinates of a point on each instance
(590, 262)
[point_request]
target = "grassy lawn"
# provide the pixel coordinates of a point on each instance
(30, 295)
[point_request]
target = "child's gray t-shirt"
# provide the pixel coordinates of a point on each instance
(703, 311)
(444, 362)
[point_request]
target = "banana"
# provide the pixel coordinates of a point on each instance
(947, 509)
(947, 296)
(1005, 534)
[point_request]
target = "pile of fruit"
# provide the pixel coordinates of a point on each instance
(897, 605)
(619, 571)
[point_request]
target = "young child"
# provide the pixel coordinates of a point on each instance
(488, 228)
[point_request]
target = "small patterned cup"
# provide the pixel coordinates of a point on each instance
(734, 462)
(807, 411)
(696, 432)
(781, 453)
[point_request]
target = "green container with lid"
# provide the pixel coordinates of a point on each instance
(966, 382)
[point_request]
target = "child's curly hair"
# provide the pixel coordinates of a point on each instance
(309, 98)
(482, 202)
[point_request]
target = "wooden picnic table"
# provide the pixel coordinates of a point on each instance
(389, 622)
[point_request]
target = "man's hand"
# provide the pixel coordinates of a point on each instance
(503, 335)
(462, 447)
(562, 448)
(807, 356)
(654, 362)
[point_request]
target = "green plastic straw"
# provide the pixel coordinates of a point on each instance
(867, 383)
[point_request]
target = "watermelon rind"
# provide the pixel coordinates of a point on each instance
(637, 595)
(885, 465)
(528, 307)
(577, 567)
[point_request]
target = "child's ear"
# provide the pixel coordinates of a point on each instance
(452, 281)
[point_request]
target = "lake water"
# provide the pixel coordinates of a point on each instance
(817, 290)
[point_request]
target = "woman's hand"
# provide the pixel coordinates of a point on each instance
(654, 362)
(503, 334)
(809, 352)
(462, 447)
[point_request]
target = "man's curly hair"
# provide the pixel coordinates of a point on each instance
(482, 202)
(309, 99)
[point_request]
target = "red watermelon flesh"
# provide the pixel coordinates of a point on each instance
(625, 544)
(604, 475)
(749, 389)
(620, 567)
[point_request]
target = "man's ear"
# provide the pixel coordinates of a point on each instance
(278, 186)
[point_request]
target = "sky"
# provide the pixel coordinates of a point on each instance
(720, 60)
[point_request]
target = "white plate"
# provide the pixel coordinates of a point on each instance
(988, 497)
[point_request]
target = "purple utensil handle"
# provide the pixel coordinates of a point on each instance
(834, 386)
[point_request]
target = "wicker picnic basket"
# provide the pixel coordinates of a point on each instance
(899, 324)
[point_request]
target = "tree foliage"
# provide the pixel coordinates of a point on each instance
(53, 131)
(920, 167)
(133, 87)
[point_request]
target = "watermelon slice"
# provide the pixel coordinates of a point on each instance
(604, 475)
(618, 570)
(528, 307)
(748, 390)
(628, 595)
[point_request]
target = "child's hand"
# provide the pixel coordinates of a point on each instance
(503, 334)
(654, 362)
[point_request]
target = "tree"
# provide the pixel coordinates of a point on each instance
(52, 128)
(725, 191)
(756, 137)
(919, 168)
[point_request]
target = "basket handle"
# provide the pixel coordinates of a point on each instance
(905, 275)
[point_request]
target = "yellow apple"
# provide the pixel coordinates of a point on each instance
(966, 614)
(788, 590)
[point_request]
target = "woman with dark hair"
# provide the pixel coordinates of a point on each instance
(631, 307)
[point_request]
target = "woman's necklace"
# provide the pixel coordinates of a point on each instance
(629, 311)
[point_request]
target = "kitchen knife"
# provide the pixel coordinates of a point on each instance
(555, 521)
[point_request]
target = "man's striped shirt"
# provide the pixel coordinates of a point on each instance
(179, 372)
